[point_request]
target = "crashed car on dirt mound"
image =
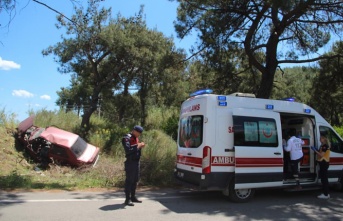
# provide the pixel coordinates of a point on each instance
(52, 144)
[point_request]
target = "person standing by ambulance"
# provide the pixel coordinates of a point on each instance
(133, 149)
(294, 146)
(323, 158)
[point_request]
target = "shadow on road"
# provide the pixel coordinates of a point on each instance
(267, 205)
(113, 207)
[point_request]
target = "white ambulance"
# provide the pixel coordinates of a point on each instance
(233, 143)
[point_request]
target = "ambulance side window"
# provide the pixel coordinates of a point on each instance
(191, 131)
(255, 131)
(335, 142)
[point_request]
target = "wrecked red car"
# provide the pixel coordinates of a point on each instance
(52, 144)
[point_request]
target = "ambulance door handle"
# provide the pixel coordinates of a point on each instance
(189, 154)
(277, 153)
(229, 150)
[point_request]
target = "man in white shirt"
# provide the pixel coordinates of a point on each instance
(294, 146)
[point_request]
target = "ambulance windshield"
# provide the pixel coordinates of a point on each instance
(191, 131)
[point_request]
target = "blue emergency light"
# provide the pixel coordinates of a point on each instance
(269, 106)
(291, 99)
(200, 92)
(307, 111)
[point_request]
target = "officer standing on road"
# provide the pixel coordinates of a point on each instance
(133, 149)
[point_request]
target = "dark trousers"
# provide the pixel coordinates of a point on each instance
(323, 173)
(132, 177)
(295, 170)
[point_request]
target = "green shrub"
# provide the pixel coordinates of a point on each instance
(163, 118)
(68, 121)
(158, 159)
(339, 130)
(171, 126)
(7, 120)
(14, 180)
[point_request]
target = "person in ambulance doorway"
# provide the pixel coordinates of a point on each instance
(323, 159)
(286, 158)
(294, 147)
(133, 149)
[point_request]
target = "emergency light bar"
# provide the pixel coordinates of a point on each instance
(200, 92)
(291, 99)
(307, 111)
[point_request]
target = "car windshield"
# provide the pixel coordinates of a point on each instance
(79, 147)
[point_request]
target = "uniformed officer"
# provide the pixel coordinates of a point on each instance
(133, 149)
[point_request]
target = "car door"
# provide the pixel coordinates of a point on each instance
(258, 148)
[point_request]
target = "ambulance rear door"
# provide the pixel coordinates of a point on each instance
(258, 148)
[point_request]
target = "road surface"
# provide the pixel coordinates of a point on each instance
(168, 205)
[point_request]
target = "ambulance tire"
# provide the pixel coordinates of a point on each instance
(240, 195)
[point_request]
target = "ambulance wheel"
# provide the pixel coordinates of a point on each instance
(240, 195)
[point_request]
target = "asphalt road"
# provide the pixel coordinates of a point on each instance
(168, 204)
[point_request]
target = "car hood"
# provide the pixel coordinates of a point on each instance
(58, 136)
(26, 124)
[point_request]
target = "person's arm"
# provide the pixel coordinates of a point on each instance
(288, 146)
(141, 145)
(322, 153)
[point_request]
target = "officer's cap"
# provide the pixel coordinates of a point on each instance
(138, 128)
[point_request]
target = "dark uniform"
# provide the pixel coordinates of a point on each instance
(324, 163)
(132, 154)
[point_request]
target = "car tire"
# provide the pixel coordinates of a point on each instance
(240, 195)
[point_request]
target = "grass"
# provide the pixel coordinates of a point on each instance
(19, 171)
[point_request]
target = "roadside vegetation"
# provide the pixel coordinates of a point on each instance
(18, 170)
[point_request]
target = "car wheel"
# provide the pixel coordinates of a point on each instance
(240, 195)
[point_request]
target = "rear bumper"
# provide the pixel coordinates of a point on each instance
(211, 181)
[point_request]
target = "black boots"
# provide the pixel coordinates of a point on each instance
(135, 200)
(128, 203)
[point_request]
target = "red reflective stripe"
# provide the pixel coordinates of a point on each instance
(259, 162)
(240, 162)
(336, 161)
(206, 160)
(190, 161)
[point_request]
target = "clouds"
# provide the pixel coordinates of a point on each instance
(22, 93)
(45, 97)
(26, 94)
(8, 65)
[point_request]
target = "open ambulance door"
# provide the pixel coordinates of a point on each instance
(258, 148)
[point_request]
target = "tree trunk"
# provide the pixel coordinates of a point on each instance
(85, 126)
(143, 95)
(123, 106)
(268, 72)
(266, 84)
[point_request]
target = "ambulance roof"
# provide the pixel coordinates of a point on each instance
(248, 101)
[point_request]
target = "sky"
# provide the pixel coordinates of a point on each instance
(29, 80)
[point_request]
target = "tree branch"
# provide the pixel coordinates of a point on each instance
(310, 60)
(41, 3)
